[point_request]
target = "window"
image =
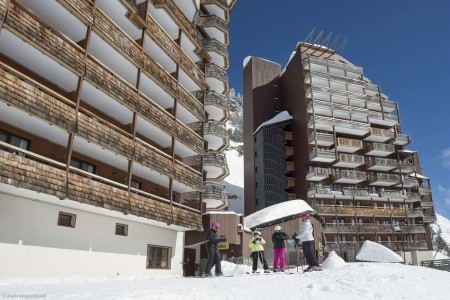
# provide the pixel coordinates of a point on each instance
(136, 184)
(15, 141)
(121, 229)
(66, 219)
(158, 257)
(256, 153)
(80, 164)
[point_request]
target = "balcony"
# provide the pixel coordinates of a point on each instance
(218, 52)
(289, 151)
(379, 135)
(322, 155)
(356, 193)
(412, 197)
(321, 139)
(320, 192)
(379, 149)
(215, 27)
(214, 195)
(348, 145)
(406, 168)
(408, 182)
(424, 190)
(216, 105)
(216, 135)
(401, 139)
(288, 135)
(380, 164)
(290, 182)
(416, 213)
(215, 164)
(382, 179)
(393, 195)
(349, 176)
(384, 119)
(335, 110)
(217, 78)
(48, 177)
(349, 161)
(341, 126)
(429, 218)
(164, 41)
(310, 61)
(220, 8)
(42, 49)
(375, 103)
(317, 174)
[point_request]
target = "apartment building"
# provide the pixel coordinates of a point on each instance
(320, 130)
(112, 132)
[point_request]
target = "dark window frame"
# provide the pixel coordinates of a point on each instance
(119, 230)
(64, 223)
(9, 137)
(159, 257)
(139, 184)
(82, 163)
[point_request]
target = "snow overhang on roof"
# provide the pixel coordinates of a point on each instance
(248, 58)
(417, 175)
(281, 117)
(277, 213)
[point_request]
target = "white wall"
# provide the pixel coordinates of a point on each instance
(32, 244)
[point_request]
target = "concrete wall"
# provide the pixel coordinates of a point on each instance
(35, 245)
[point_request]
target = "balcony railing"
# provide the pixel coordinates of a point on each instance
(216, 128)
(379, 134)
(416, 213)
(216, 46)
(409, 182)
(412, 197)
(319, 191)
(317, 174)
(323, 139)
(379, 147)
(406, 167)
(338, 123)
(214, 21)
(212, 70)
(355, 192)
(82, 9)
(216, 99)
(178, 15)
(348, 145)
(378, 163)
(401, 139)
(393, 195)
(48, 176)
(322, 154)
(43, 37)
(349, 160)
(349, 175)
(384, 179)
(332, 63)
(166, 42)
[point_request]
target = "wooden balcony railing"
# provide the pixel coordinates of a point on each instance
(214, 21)
(175, 12)
(41, 102)
(345, 142)
(212, 70)
(360, 211)
(83, 9)
(216, 99)
(160, 36)
(30, 28)
(48, 176)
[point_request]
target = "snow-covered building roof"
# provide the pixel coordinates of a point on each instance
(280, 117)
(374, 252)
(277, 213)
(417, 175)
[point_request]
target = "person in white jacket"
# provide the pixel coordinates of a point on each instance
(307, 239)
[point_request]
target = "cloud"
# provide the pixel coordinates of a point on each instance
(445, 194)
(445, 156)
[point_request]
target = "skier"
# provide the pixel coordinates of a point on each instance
(256, 245)
(214, 258)
(307, 238)
(279, 249)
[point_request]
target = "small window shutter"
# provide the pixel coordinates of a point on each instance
(72, 221)
(125, 230)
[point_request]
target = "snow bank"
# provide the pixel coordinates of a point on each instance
(276, 212)
(333, 261)
(374, 252)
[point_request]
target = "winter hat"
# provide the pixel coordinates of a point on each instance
(304, 216)
(277, 228)
(215, 225)
(256, 232)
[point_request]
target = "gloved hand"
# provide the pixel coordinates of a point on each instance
(223, 238)
(258, 239)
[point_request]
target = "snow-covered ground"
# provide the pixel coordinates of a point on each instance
(345, 281)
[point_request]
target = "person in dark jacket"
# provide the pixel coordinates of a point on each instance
(279, 249)
(214, 258)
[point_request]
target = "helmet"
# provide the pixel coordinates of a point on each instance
(304, 216)
(277, 228)
(256, 232)
(215, 225)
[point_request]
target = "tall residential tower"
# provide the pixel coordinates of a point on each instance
(320, 130)
(112, 130)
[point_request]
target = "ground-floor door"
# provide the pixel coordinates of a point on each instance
(189, 262)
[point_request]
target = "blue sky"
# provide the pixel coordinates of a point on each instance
(402, 45)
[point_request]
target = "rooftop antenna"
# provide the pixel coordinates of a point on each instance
(310, 35)
(342, 45)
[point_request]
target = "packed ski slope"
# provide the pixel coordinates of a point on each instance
(344, 281)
